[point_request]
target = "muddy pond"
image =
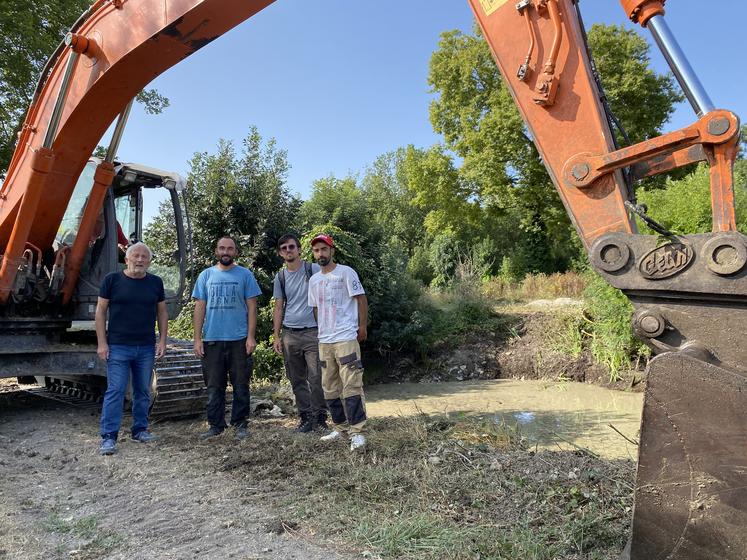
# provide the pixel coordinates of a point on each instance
(549, 415)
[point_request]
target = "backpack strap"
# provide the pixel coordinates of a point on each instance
(281, 277)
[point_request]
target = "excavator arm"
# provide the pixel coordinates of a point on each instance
(689, 291)
(114, 50)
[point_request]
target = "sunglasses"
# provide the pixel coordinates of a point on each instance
(288, 247)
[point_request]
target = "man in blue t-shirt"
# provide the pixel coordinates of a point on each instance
(225, 323)
(134, 300)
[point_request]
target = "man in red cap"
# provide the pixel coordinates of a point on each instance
(341, 309)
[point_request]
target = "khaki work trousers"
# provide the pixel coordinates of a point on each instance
(342, 381)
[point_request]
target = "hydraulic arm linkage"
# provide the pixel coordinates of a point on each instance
(111, 53)
(689, 291)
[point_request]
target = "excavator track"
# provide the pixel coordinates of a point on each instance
(178, 389)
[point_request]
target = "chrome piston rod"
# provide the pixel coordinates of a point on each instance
(681, 68)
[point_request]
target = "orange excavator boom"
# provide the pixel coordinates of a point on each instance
(689, 291)
(111, 54)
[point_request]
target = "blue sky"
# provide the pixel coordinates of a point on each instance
(339, 82)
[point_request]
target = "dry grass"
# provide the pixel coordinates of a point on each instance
(431, 488)
(537, 286)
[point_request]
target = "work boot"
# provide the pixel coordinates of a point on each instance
(321, 421)
(211, 433)
(305, 425)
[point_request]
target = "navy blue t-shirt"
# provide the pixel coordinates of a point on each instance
(133, 303)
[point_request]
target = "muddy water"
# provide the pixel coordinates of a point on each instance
(549, 415)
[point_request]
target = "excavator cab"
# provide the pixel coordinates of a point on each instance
(135, 188)
(44, 337)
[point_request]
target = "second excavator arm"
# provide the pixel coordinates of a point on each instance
(689, 291)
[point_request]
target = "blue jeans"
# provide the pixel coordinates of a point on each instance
(123, 361)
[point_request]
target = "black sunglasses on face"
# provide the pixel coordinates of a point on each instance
(287, 247)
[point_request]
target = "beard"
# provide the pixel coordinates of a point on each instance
(226, 260)
(323, 261)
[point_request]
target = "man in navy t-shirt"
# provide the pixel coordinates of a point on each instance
(225, 323)
(135, 300)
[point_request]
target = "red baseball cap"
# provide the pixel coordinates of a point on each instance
(324, 238)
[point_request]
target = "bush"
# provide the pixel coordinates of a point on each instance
(268, 365)
(182, 326)
(609, 329)
(684, 206)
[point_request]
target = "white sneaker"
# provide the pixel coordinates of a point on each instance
(332, 436)
(358, 441)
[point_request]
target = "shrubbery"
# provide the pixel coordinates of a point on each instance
(609, 329)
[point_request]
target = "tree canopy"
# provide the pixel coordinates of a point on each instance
(242, 194)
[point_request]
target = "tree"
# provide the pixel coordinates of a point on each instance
(244, 195)
(641, 99)
(390, 201)
(501, 168)
(338, 202)
(31, 32)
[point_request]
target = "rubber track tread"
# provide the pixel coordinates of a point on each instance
(178, 388)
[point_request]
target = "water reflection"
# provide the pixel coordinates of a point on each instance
(548, 415)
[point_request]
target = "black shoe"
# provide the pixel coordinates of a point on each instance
(321, 422)
(305, 425)
(212, 432)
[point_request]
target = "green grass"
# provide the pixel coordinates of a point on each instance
(84, 534)
(447, 487)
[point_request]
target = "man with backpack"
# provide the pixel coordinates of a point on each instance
(298, 341)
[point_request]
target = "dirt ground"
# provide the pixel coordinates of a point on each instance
(167, 500)
(273, 496)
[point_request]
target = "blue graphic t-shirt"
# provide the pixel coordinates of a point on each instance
(225, 292)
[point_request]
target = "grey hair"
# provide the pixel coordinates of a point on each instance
(132, 247)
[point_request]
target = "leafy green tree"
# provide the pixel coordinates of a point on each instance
(391, 203)
(442, 193)
(240, 194)
(338, 202)
(31, 31)
(502, 175)
(639, 97)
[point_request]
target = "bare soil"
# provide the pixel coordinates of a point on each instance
(172, 499)
(525, 350)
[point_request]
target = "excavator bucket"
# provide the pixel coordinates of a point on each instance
(689, 291)
(691, 494)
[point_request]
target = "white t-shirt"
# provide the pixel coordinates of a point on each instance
(337, 310)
